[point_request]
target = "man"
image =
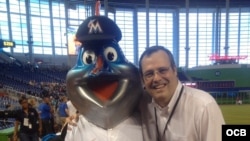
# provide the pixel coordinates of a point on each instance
(171, 111)
(28, 120)
(46, 114)
(63, 110)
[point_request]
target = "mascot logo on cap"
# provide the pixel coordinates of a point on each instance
(94, 27)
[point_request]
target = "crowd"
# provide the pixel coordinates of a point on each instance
(34, 119)
(38, 119)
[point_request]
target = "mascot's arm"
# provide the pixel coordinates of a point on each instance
(61, 137)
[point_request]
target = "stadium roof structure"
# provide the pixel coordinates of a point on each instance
(179, 3)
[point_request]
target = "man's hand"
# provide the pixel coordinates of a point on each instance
(40, 131)
(15, 138)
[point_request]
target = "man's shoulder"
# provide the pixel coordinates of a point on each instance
(42, 105)
(199, 94)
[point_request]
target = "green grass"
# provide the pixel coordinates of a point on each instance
(236, 114)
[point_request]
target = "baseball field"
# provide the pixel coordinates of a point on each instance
(236, 114)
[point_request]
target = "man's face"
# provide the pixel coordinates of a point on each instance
(46, 100)
(159, 78)
(24, 104)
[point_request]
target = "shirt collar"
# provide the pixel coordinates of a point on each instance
(172, 102)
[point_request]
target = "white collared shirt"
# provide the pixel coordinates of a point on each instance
(197, 117)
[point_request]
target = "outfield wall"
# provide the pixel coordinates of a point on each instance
(238, 73)
(226, 83)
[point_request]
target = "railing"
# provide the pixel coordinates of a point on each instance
(232, 97)
(14, 94)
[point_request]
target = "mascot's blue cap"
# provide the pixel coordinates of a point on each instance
(98, 28)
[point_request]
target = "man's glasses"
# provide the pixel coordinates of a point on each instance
(149, 75)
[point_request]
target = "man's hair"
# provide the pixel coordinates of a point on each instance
(153, 49)
(21, 99)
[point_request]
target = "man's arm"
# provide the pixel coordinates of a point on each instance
(15, 137)
(39, 122)
(66, 110)
(211, 121)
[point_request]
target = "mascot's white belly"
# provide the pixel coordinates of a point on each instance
(128, 130)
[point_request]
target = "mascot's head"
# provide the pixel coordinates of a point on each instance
(103, 85)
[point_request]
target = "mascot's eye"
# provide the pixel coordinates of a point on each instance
(88, 57)
(110, 54)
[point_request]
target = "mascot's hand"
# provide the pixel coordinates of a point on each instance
(72, 120)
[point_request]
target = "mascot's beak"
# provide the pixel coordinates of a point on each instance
(104, 91)
(98, 65)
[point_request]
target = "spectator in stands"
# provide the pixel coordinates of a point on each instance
(46, 112)
(28, 120)
(170, 110)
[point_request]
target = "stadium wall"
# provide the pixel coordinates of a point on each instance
(49, 60)
(240, 73)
